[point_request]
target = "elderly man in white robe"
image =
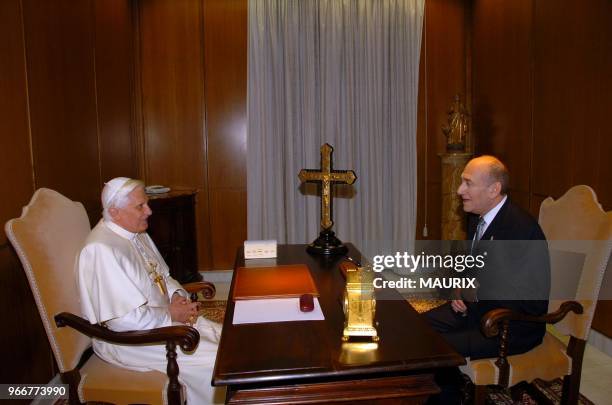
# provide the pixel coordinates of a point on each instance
(125, 284)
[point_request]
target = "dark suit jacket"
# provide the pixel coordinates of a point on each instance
(517, 273)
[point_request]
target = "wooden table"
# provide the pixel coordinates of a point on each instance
(306, 362)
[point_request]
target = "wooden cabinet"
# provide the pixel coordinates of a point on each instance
(173, 229)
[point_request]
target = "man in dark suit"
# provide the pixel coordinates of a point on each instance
(516, 274)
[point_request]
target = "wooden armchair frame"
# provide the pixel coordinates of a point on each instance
(497, 320)
(185, 336)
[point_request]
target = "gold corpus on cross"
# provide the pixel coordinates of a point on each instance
(327, 176)
(158, 279)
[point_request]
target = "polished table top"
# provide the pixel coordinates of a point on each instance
(303, 351)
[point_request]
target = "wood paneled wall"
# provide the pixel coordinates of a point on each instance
(541, 98)
(103, 88)
(541, 94)
(114, 51)
(442, 75)
(62, 97)
(24, 337)
(172, 77)
(193, 90)
(65, 122)
(225, 39)
(572, 76)
(98, 89)
(16, 173)
(501, 107)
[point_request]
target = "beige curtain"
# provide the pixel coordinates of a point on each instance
(342, 72)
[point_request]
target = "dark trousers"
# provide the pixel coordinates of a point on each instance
(463, 332)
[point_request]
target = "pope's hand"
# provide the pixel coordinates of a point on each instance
(183, 310)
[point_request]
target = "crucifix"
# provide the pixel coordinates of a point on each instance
(327, 243)
(158, 279)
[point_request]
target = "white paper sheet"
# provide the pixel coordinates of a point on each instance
(274, 310)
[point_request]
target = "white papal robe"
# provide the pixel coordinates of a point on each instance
(116, 289)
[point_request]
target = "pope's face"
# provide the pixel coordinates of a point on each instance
(134, 215)
(477, 192)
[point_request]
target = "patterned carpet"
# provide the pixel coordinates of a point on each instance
(539, 392)
(213, 310)
(424, 305)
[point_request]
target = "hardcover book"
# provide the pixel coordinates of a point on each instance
(284, 281)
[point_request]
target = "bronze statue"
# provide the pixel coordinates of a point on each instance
(457, 129)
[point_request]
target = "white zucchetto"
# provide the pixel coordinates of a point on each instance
(112, 188)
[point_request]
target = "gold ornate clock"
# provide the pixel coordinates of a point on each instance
(359, 303)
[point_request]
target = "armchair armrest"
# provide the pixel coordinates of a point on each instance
(185, 336)
(491, 320)
(208, 289)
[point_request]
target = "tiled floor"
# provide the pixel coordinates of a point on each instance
(596, 382)
(596, 368)
(596, 373)
(221, 279)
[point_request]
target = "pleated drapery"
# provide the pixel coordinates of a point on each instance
(345, 73)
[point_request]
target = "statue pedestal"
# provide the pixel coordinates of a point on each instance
(453, 217)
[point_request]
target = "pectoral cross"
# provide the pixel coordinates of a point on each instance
(326, 176)
(158, 279)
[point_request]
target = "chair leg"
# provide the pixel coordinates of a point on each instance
(480, 394)
(571, 389)
(571, 383)
(72, 378)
